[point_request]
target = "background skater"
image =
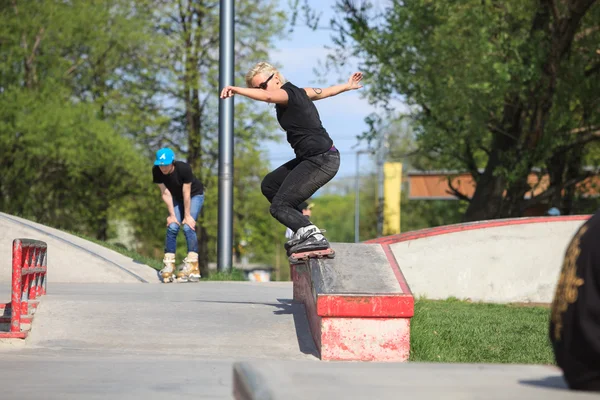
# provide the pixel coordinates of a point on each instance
(183, 194)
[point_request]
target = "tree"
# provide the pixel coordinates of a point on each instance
(496, 88)
(83, 110)
(69, 97)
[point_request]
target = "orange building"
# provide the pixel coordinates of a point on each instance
(433, 185)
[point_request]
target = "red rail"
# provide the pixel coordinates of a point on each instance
(29, 265)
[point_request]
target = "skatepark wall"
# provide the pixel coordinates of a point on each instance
(70, 258)
(498, 261)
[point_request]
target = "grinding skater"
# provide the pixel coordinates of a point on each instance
(317, 159)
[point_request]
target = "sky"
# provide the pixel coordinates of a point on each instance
(343, 116)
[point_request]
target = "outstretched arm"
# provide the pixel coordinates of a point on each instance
(278, 96)
(352, 84)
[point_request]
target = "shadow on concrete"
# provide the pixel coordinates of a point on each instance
(287, 307)
(549, 382)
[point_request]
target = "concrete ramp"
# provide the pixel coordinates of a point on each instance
(279, 380)
(500, 261)
(70, 258)
(132, 341)
(208, 320)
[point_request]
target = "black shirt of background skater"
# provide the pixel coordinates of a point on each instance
(175, 180)
(301, 120)
(575, 315)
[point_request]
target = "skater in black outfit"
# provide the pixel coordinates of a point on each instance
(317, 160)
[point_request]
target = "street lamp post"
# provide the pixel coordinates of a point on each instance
(226, 55)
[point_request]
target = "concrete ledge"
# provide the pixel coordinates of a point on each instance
(358, 305)
(279, 380)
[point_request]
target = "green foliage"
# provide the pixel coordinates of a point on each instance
(190, 68)
(66, 101)
(336, 213)
(421, 214)
(499, 86)
(88, 92)
(83, 110)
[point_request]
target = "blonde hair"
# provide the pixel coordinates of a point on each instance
(262, 68)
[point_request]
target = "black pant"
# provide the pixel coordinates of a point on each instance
(294, 182)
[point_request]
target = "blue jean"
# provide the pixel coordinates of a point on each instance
(196, 203)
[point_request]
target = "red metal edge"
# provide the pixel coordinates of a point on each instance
(13, 335)
(24, 320)
(32, 305)
(16, 290)
(446, 229)
(366, 306)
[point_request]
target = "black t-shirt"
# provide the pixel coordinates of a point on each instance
(575, 316)
(301, 120)
(175, 180)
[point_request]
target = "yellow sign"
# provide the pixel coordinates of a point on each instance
(392, 189)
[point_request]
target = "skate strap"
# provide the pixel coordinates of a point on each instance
(316, 232)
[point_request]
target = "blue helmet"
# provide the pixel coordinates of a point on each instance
(164, 156)
(553, 212)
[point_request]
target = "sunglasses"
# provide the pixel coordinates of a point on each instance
(263, 85)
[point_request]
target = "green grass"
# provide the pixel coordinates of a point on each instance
(464, 332)
(234, 275)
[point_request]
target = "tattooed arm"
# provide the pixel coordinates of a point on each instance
(352, 84)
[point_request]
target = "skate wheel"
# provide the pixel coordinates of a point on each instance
(315, 254)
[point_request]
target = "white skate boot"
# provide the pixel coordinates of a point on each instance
(167, 273)
(190, 271)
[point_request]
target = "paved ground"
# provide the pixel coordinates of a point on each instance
(102, 332)
(150, 341)
(94, 375)
(208, 319)
(282, 380)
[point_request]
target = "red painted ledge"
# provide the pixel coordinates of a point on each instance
(365, 306)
